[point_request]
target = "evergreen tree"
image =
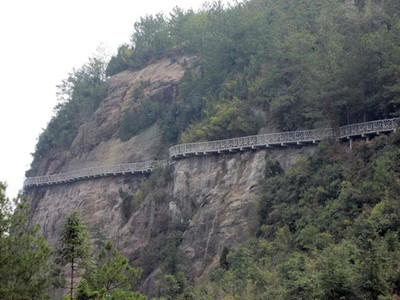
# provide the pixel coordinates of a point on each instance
(112, 278)
(24, 254)
(73, 248)
(223, 260)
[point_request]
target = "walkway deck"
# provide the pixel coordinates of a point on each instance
(283, 139)
(280, 139)
(129, 168)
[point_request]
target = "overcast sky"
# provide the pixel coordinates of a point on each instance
(41, 42)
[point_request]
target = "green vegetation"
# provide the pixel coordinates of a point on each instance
(79, 96)
(301, 64)
(174, 281)
(229, 119)
(329, 225)
(111, 279)
(304, 64)
(27, 270)
(120, 62)
(160, 177)
(73, 249)
(25, 265)
(135, 121)
(329, 229)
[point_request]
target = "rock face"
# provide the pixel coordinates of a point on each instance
(210, 200)
(221, 195)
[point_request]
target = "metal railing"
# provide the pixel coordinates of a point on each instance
(248, 142)
(141, 167)
(251, 141)
(282, 138)
(369, 127)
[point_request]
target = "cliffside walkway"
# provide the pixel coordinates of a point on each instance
(280, 139)
(129, 168)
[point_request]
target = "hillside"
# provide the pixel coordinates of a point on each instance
(304, 222)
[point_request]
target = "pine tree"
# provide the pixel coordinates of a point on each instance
(111, 279)
(73, 248)
(25, 264)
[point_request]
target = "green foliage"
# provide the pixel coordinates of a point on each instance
(223, 262)
(174, 286)
(304, 64)
(120, 61)
(112, 278)
(329, 229)
(135, 121)
(229, 119)
(160, 177)
(79, 96)
(187, 108)
(73, 248)
(131, 202)
(272, 168)
(171, 254)
(122, 295)
(25, 267)
(83, 291)
(150, 40)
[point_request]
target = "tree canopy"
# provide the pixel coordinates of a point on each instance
(302, 63)
(112, 278)
(25, 265)
(73, 249)
(78, 97)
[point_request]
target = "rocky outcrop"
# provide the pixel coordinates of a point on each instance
(211, 200)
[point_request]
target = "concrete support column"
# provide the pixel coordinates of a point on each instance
(351, 143)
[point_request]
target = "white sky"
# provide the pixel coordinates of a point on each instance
(41, 42)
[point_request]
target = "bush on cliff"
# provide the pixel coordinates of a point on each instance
(139, 119)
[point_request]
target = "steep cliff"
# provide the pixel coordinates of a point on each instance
(210, 200)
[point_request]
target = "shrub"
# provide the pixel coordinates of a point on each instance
(230, 118)
(135, 121)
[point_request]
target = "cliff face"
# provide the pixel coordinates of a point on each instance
(211, 200)
(97, 141)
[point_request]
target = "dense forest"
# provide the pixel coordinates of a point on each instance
(329, 229)
(302, 64)
(329, 225)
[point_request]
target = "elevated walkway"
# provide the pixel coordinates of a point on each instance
(281, 139)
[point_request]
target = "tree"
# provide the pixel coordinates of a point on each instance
(119, 62)
(78, 97)
(223, 261)
(113, 277)
(174, 285)
(73, 248)
(150, 40)
(24, 254)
